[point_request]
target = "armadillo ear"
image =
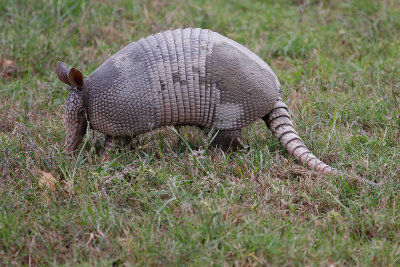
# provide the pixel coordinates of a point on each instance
(62, 72)
(75, 78)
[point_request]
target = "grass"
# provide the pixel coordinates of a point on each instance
(168, 202)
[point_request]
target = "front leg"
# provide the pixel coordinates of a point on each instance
(112, 143)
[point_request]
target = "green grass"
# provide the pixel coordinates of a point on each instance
(167, 203)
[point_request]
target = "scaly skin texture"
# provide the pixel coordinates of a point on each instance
(181, 77)
(280, 123)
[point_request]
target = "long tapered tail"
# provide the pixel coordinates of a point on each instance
(280, 123)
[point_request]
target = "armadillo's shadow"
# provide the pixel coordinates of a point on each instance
(178, 140)
(168, 140)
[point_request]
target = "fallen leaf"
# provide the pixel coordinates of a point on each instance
(7, 68)
(5, 63)
(47, 180)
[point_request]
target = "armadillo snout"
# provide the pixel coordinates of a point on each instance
(75, 121)
(75, 133)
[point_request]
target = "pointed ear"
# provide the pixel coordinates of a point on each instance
(62, 72)
(75, 78)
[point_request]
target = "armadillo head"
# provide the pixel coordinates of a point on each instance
(75, 110)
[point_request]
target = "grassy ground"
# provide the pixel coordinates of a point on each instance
(168, 202)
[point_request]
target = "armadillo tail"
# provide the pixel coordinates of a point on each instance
(280, 123)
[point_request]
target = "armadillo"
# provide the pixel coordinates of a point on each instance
(186, 76)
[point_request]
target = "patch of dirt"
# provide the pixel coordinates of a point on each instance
(7, 121)
(108, 34)
(282, 63)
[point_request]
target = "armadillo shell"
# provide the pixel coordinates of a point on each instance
(184, 76)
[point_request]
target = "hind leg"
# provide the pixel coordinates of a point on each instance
(227, 139)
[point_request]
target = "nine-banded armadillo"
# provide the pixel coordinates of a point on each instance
(180, 77)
